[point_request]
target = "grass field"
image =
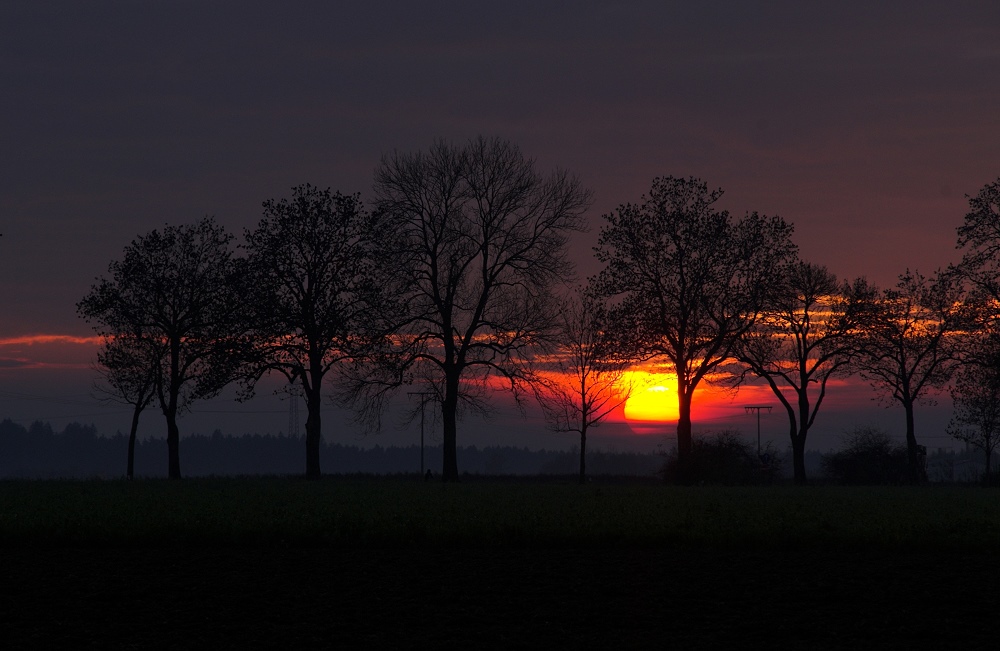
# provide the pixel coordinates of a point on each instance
(402, 512)
(245, 563)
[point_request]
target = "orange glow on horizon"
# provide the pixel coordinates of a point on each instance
(47, 351)
(30, 340)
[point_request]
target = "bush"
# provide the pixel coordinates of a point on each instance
(869, 457)
(724, 458)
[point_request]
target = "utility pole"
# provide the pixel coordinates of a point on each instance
(424, 396)
(752, 408)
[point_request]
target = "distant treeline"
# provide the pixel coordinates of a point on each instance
(79, 451)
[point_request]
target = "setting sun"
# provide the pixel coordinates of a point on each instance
(652, 403)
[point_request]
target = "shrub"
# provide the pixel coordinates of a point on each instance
(726, 458)
(869, 456)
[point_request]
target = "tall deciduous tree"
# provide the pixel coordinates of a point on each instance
(976, 398)
(691, 279)
(317, 279)
(911, 342)
(588, 368)
(180, 287)
(483, 243)
(130, 367)
(803, 338)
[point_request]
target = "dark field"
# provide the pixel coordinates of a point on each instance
(271, 562)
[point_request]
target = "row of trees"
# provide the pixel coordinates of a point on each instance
(450, 280)
(762, 312)
(728, 300)
(457, 279)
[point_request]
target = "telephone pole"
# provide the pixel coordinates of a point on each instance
(752, 408)
(424, 396)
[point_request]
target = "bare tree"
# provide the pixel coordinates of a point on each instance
(316, 284)
(911, 342)
(483, 243)
(803, 338)
(691, 279)
(130, 366)
(588, 371)
(181, 287)
(976, 398)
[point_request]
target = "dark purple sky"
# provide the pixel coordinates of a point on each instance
(864, 124)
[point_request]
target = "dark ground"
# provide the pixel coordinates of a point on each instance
(317, 598)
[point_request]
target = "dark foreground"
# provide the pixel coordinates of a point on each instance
(186, 598)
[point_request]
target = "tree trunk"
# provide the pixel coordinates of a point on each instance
(170, 411)
(798, 446)
(314, 432)
(683, 436)
(130, 468)
(583, 455)
(449, 424)
(912, 453)
(799, 438)
(799, 459)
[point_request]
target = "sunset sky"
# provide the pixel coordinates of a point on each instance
(865, 124)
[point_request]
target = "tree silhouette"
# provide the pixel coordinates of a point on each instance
(589, 367)
(911, 342)
(803, 338)
(979, 236)
(130, 367)
(976, 398)
(483, 241)
(179, 286)
(691, 280)
(316, 280)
